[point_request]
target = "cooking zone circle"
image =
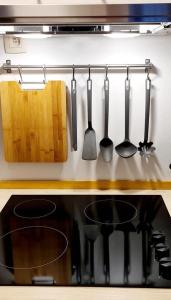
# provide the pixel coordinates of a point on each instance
(34, 209)
(110, 211)
(32, 240)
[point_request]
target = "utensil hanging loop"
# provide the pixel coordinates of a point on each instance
(106, 69)
(89, 71)
(73, 72)
(44, 73)
(127, 73)
(148, 73)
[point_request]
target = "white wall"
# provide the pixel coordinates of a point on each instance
(99, 49)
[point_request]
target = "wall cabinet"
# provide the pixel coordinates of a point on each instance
(12, 2)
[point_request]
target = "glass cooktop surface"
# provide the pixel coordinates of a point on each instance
(85, 240)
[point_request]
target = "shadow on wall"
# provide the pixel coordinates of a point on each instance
(104, 170)
(151, 168)
(127, 169)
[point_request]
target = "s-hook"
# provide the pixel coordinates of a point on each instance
(21, 78)
(89, 71)
(21, 81)
(106, 72)
(127, 73)
(44, 73)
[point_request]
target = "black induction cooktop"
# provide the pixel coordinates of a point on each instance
(85, 240)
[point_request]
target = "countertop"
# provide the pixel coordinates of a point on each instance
(83, 293)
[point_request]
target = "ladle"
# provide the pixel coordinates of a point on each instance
(126, 149)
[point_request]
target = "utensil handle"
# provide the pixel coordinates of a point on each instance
(127, 94)
(144, 254)
(89, 102)
(106, 258)
(147, 108)
(92, 261)
(106, 89)
(74, 113)
(126, 256)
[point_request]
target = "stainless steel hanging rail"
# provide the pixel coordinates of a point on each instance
(148, 65)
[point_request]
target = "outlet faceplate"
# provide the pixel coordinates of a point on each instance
(13, 45)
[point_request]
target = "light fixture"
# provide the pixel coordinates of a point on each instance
(45, 28)
(150, 28)
(122, 34)
(4, 29)
(35, 35)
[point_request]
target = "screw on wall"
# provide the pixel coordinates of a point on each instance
(8, 62)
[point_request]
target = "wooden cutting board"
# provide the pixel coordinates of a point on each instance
(34, 122)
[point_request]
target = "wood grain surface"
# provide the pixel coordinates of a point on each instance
(34, 122)
(27, 248)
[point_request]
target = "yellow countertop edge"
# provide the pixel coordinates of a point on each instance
(99, 184)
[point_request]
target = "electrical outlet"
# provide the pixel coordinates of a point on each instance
(13, 45)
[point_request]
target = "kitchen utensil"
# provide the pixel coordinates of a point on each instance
(106, 231)
(145, 229)
(74, 111)
(76, 253)
(92, 232)
(126, 149)
(145, 147)
(106, 144)
(145, 256)
(89, 146)
(34, 122)
(127, 228)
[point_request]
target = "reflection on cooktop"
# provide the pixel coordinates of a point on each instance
(85, 240)
(36, 236)
(34, 209)
(109, 211)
